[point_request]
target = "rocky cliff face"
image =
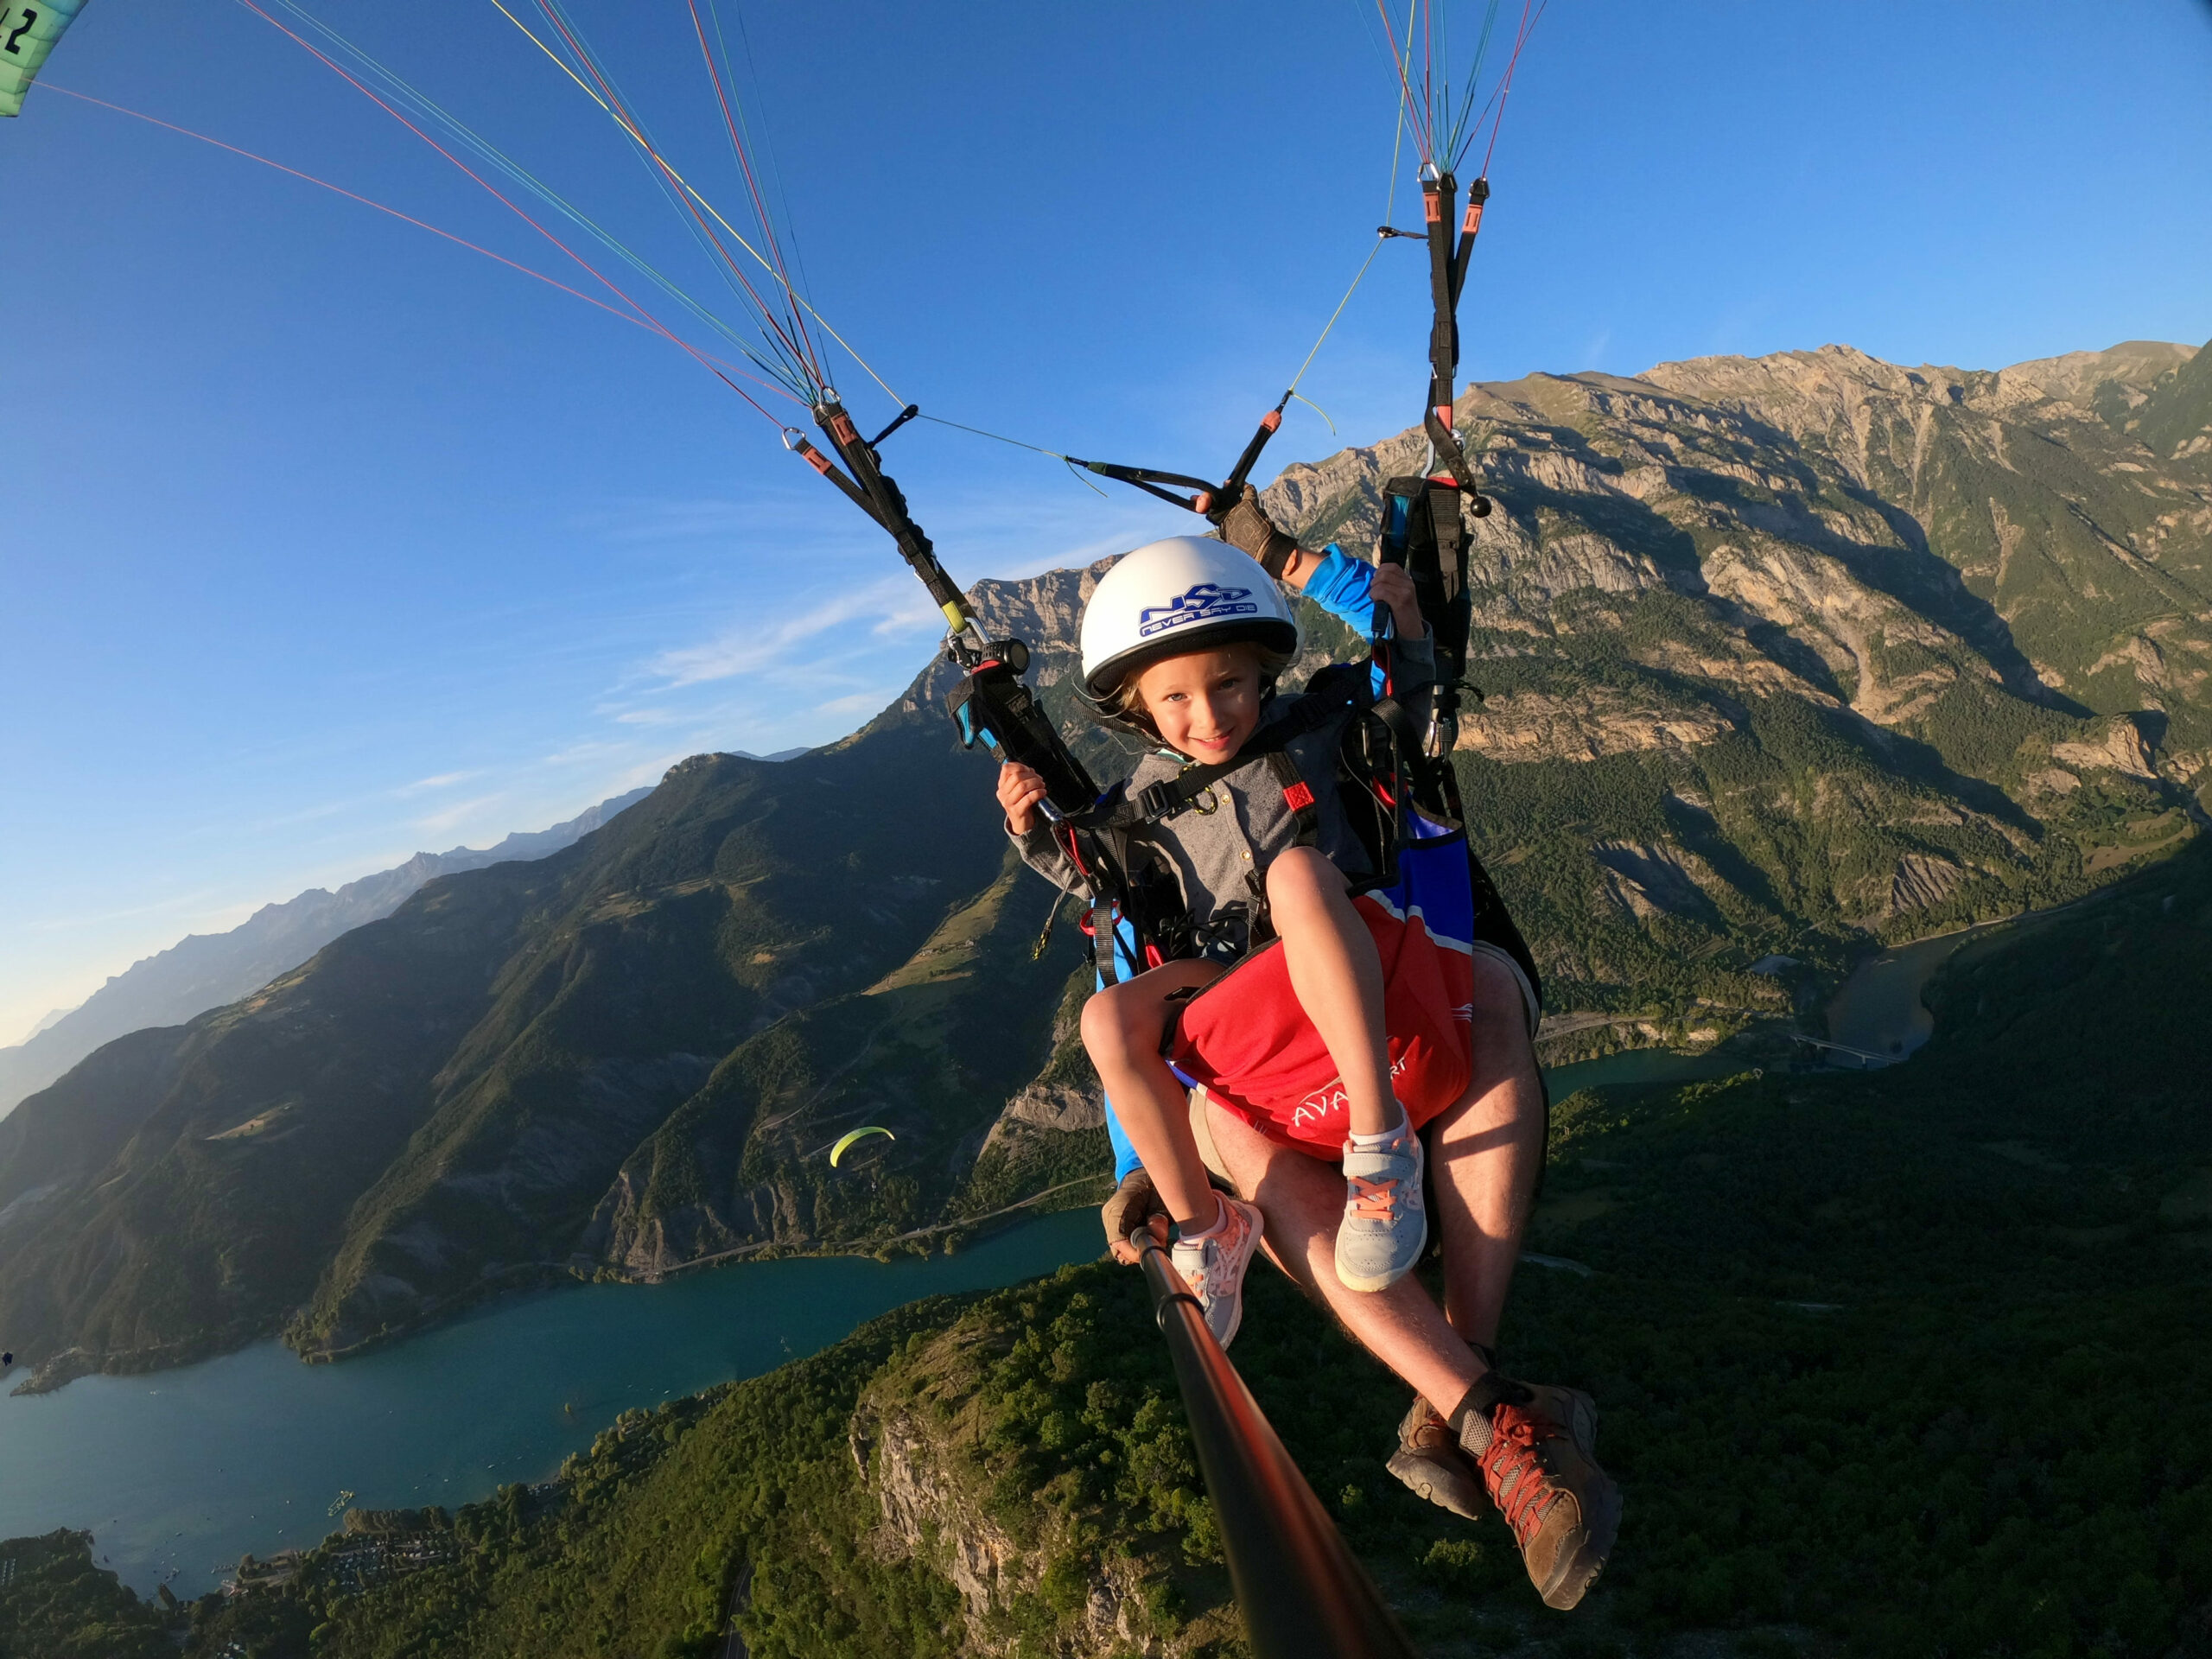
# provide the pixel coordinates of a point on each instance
(930, 1517)
(1951, 629)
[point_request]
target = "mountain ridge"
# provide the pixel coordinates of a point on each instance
(205, 970)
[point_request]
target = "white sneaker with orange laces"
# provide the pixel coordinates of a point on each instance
(1385, 1224)
(1213, 1265)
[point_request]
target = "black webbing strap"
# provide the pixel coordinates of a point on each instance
(1105, 947)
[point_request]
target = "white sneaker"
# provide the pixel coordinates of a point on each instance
(1213, 1266)
(1386, 1221)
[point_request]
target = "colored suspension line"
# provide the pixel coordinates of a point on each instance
(776, 268)
(807, 378)
(1505, 86)
(649, 319)
(47, 84)
(497, 159)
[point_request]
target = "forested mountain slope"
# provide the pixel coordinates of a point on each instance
(1847, 1334)
(1784, 656)
(205, 970)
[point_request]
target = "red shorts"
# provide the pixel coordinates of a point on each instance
(1245, 1040)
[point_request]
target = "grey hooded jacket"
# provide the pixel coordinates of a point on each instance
(1221, 855)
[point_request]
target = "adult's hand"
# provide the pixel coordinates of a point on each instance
(1247, 527)
(1134, 1205)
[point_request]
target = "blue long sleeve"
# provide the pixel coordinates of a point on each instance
(1341, 587)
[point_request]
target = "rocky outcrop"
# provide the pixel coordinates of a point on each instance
(2118, 746)
(932, 1514)
(1524, 726)
(1648, 879)
(1057, 1107)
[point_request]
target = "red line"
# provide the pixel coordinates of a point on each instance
(550, 281)
(753, 187)
(1421, 141)
(1505, 86)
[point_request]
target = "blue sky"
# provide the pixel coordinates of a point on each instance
(326, 540)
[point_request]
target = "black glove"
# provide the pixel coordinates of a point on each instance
(1134, 1205)
(1247, 527)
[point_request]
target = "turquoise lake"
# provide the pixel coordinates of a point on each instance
(177, 1473)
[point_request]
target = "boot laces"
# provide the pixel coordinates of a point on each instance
(1513, 1465)
(1374, 1200)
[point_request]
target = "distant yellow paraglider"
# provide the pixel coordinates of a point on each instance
(851, 1136)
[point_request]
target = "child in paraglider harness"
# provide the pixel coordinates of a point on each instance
(1182, 642)
(1353, 1023)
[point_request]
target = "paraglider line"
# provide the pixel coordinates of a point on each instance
(805, 368)
(1505, 86)
(1034, 448)
(648, 319)
(807, 378)
(492, 154)
(350, 195)
(751, 184)
(613, 104)
(685, 185)
(1356, 278)
(1399, 61)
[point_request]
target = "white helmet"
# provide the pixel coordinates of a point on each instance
(1188, 593)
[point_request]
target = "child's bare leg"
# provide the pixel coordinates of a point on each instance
(1337, 978)
(1122, 1028)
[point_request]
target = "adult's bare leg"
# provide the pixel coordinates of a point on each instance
(1303, 1199)
(1337, 978)
(1122, 1025)
(1486, 1152)
(1488, 1148)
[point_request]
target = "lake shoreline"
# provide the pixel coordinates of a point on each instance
(179, 1472)
(56, 1372)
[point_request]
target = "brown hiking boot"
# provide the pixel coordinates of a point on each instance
(1536, 1447)
(1430, 1463)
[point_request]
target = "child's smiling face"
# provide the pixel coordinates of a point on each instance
(1205, 704)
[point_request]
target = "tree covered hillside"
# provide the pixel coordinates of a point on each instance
(1785, 658)
(1903, 1363)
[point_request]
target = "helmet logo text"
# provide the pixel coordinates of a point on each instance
(1205, 602)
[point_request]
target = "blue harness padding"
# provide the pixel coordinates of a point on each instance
(1125, 968)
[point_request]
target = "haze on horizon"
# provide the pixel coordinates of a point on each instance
(330, 542)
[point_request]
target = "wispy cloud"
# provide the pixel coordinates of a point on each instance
(443, 780)
(460, 812)
(881, 609)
